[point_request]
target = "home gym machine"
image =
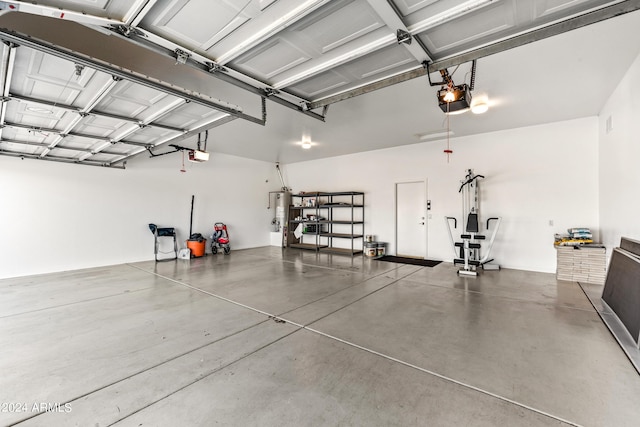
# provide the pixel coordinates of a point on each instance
(468, 251)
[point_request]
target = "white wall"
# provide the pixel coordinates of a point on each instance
(533, 175)
(619, 153)
(57, 217)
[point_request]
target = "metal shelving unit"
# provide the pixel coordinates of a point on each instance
(328, 218)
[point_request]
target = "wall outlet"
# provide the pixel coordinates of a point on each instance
(550, 223)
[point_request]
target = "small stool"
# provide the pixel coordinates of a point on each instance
(163, 232)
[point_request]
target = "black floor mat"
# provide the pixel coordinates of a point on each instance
(413, 261)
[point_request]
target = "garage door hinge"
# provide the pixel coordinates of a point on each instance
(181, 56)
(127, 30)
(212, 67)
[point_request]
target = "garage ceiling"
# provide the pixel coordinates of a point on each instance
(99, 82)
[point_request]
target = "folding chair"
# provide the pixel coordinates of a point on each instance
(163, 232)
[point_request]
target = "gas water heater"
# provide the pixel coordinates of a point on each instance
(280, 223)
(282, 200)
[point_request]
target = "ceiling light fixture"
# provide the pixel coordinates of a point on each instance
(480, 107)
(306, 142)
(480, 104)
(449, 96)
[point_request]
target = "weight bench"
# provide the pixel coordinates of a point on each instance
(163, 232)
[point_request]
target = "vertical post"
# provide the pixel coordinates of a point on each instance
(191, 219)
(353, 202)
(362, 228)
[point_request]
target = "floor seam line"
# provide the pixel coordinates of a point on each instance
(443, 377)
(351, 303)
(306, 327)
(206, 376)
(341, 290)
(271, 316)
(195, 288)
(171, 359)
(73, 303)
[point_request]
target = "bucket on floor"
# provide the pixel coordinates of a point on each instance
(197, 247)
(370, 249)
(381, 249)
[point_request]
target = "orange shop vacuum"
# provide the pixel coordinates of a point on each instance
(196, 243)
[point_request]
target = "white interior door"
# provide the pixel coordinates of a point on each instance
(411, 219)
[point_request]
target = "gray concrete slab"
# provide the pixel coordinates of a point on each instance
(182, 269)
(357, 263)
(283, 286)
(318, 309)
(66, 352)
(307, 379)
(594, 293)
(135, 393)
(507, 283)
(387, 344)
(54, 290)
(560, 360)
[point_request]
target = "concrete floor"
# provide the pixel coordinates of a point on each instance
(291, 338)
